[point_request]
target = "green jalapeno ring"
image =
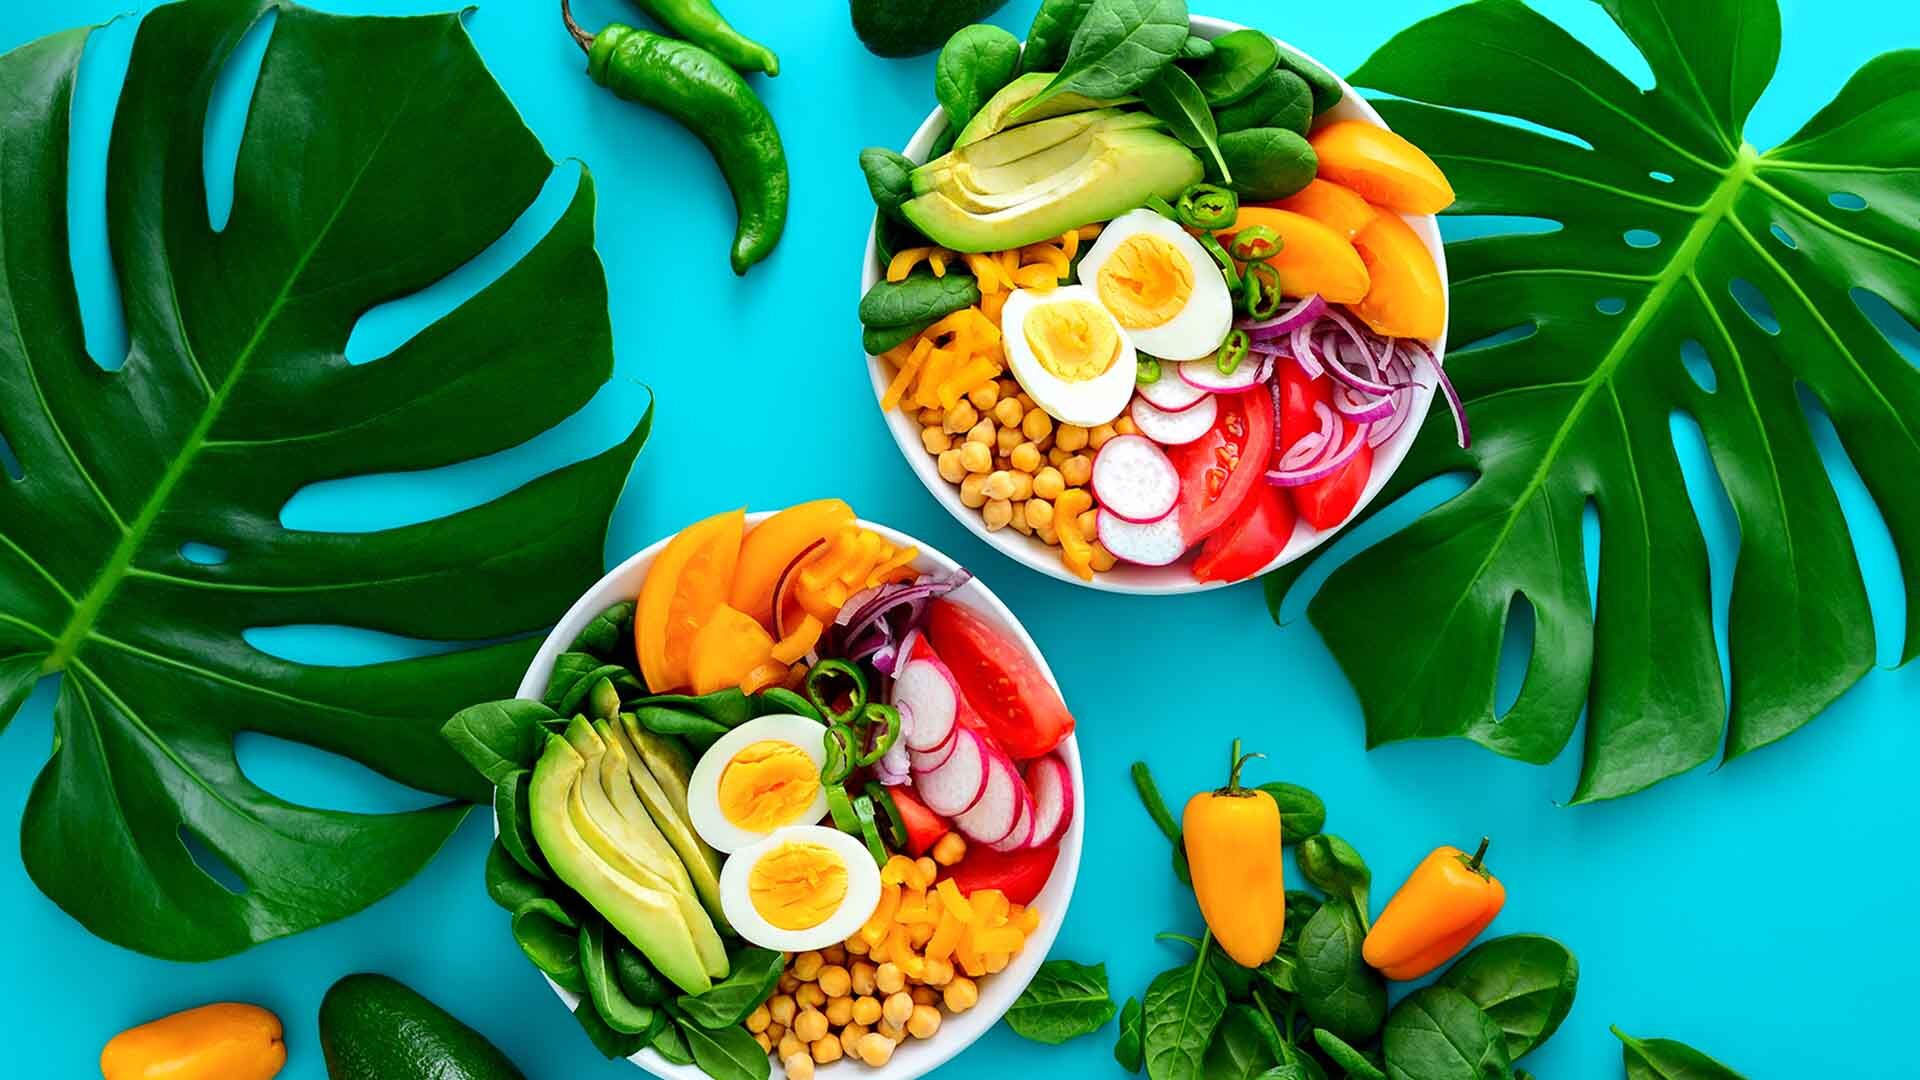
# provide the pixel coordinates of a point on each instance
(1232, 351)
(889, 810)
(840, 742)
(840, 809)
(1162, 207)
(822, 696)
(1255, 242)
(863, 811)
(889, 720)
(1263, 290)
(1208, 206)
(1225, 261)
(1147, 372)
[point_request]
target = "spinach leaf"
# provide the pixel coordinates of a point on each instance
(1356, 1064)
(1119, 45)
(726, 1004)
(1173, 97)
(729, 708)
(1183, 1007)
(1162, 817)
(1282, 100)
(550, 936)
(1301, 812)
(919, 298)
(1064, 1001)
(1196, 48)
(573, 678)
(696, 729)
(729, 1053)
(610, 999)
(889, 178)
(1525, 982)
(672, 1045)
(611, 1044)
(878, 339)
(1327, 90)
(1301, 905)
(973, 65)
(609, 635)
(1245, 1047)
(1437, 1034)
(1664, 1059)
(1126, 1048)
(497, 737)
(1332, 864)
(636, 974)
(1337, 988)
(1240, 59)
(1052, 34)
(1278, 972)
(511, 810)
(508, 883)
(1268, 163)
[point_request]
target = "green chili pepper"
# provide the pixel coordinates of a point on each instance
(823, 694)
(1147, 372)
(1263, 290)
(1220, 256)
(699, 22)
(1162, 207)
(1255, 242)
(870, 829)
(889, 719)
(1208, 206)
(840, 742)
(783, 698)
(890, 811)
(713, 102)
(840, 808)
(1232, 352)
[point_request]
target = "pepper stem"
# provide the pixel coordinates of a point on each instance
(1479, 856)
(1237, 759)
(580, 37)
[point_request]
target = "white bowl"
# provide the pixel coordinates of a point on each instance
(1150, 580)
(915, 1057)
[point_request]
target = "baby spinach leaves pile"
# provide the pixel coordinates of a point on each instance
(1317, 1011)
(625, 1005)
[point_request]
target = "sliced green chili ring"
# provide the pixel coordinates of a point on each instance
(820, 690)
(1208, 206)
(792, 702)
(840, 808)
(1232, 352)
(840, 743)
(1255, 242)
(1147, 372)
(870, 829)
(888, 719)
(1263, 290)
(1227, 268)
(1162, 207)
(889, 810)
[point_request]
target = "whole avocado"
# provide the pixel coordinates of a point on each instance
(898, 28)
(375, 1028)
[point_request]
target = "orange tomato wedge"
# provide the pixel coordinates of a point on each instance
(684, 587)
(772, 545)
(727, 649)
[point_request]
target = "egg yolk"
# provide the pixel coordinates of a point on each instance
(798, 886)
(1073, 339)
(766, 785)
(1145, 282)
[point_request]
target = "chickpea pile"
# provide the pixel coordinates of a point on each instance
(833, 1004)
(1013, 463)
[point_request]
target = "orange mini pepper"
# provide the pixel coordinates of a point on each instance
(1232, 840)
(227, 1041)
(1447, 900)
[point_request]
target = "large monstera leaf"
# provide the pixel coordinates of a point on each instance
(378, 156)
(1578, 411)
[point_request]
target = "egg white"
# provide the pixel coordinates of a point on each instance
(863, 891)
(703, 788)
(1202, 323)
(1089, 403)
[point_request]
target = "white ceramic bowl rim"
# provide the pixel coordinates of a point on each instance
(997, 992)
(1177, 578)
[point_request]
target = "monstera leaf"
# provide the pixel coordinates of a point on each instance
(1677, 238)
(378, 156)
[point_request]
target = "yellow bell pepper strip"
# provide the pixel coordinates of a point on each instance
(1075, 550)
(1233, 851)
(227, 1041)
(1447, 900)
(799, 642)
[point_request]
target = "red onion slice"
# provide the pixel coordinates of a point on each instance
(1303, 313)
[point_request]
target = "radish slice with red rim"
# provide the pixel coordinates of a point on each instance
(1155, 543)
(995, 813)
(1133, 479)
(1174, 428)
(1051, 785)
(1171, 393)
(923, 761)
(1205, 374)
(1021, 835)
(927, 689)
(960, 780)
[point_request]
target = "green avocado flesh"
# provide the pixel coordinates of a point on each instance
(992, 117)
(647, 793)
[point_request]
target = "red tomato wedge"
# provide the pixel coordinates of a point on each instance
(1253, 538)
(1020, 874)
(1328, 501)
(1219, 470)
(1019, 707)
(924, 827)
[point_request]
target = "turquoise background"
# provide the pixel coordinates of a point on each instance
(1762, 911)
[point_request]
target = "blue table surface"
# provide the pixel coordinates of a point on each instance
(1761, 911)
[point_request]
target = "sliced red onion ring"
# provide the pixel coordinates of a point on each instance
(1461, 430)
(876, 627)
(1301, 314)
(1284, 477)
(1362, 408)
(1345, 372)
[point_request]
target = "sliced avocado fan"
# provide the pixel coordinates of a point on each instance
(656, 789)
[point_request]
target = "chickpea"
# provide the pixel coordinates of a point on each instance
(924, 1021)
(1007, 440)
(827, 1051)
(925, 995)
(758, 1019)
(984, 396)
(928, 869)
(981, 433)
(839, 1010)
(1077, 470)
(1070, 437)
(856, 946)
(835, 981)
(997, 514)
(1009, 412)
(875, 1049)
(932, 417)
(1125, 426)
(961, 994)
(1026, 457)
(1019, 522)
(999, 485)
(811, 1024)
(866, 1010)
(939, 973)
(888, 979)
(952, 472)
(806, 966)
(1057, 457)
(914, 967)
(788, 984)
(781, 1009)
(1098, 437)
(971, 495)
(895, 1032)
(790, 1046)
(766, 1044)
(850, 1037)
(775, 1033)
(897, 1008)
(1009, 387)
(960, 418)
(1047, 536)
(834, 954)
(976, 458)
(1022, 486)
(1088, 523)
(1036, 425)
(862, 977)
(1048, 483)
(810, 996)
(1103, 560)
(799, 1065)
(935, 441)
(1039, 516)
(1025, 401)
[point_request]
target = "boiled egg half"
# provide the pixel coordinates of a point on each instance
(1069, 354)
(1162, 287)
(757, 779)
(805, 887)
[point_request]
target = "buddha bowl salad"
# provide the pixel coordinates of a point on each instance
(792, 800)
(1152, 296)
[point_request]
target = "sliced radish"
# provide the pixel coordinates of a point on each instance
(1205, 374)
(923, 761)
(997, 811)
(1133, 479)
(1172, 395)
(1021, 835)
(1051, 785)
(959, 781)
(1173, 428)
(1154, 543)
(927, 689)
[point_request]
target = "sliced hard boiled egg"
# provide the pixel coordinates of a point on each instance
(1162, 287)
(1069, 354)
(757, 779)
(801, 888)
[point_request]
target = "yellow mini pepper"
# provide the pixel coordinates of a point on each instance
(1232, 837)
(214, 1042)
(1447, 900)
